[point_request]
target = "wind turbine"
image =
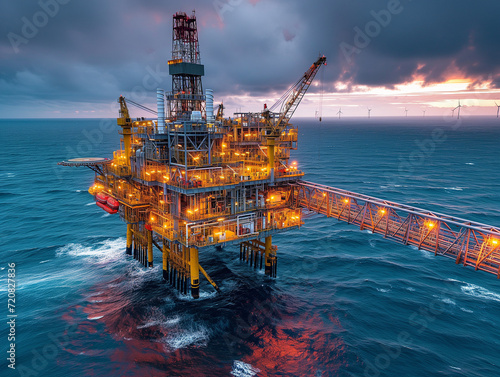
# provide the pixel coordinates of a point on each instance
(406, 111)
(340, 112)
(369, 111)
(458, 107)
(424, 112)
(498, 109)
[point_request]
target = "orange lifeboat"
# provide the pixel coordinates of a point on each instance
(102, 197)
(113, 203)
(107, 203)
(106, 208)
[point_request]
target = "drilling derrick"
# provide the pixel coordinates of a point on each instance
(185, 68)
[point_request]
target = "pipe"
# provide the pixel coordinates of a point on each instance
(160, 105)
(209, 93)
(194, 272)
(129, 239)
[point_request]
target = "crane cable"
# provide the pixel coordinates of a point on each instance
(142, 107)
(321, 92)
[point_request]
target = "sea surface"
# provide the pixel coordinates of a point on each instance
(345, 303)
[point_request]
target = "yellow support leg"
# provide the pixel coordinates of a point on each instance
(165, 260)
(270, 157)
(269, 245)
(150, 248)
(209, 278)
(194, 272)
(129, 239)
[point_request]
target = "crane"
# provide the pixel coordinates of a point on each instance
(275, 123)
(289, 101)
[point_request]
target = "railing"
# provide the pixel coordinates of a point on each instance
(468, 242)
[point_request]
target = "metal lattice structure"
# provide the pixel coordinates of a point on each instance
(185, 67)
(467, 242)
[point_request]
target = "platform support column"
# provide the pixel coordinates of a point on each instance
(150, 248)
(128, 250)
(127, 134)
(269, 245)
(165, 260)
(270, 157)
(194, 272)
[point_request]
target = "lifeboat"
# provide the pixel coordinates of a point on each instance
(106, 208)
(102, 197)
(107, 203)
(113, 203)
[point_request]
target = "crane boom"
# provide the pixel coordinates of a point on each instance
(291, 98)
(124, 118)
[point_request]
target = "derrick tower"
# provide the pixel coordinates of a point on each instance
(185, 67)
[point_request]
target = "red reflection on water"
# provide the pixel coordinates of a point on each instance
(297, 343)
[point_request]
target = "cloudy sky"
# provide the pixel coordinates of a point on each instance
(73, 58)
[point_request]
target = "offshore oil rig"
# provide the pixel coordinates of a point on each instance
(190, 179)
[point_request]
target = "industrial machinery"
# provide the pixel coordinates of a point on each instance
(188, 180)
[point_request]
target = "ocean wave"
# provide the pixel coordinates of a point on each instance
(95, 318)
(103, 252)
(198, 336)
(469, 163)
(8, 175)
(479, 292)
(241, 369)
(454, 188)
(467, 310)
(157, 318)
(446, 300)
(89, 204)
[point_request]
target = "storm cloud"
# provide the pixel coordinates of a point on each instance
(83, 54)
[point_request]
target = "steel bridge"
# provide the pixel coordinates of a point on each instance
(468, 242)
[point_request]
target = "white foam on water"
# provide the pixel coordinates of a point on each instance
(456, 368)
(78, 191)
(95, 318)
(203, 296)
(101, 253)
(184, 338)
(479, 292)
(469, 163)
(383, 290)
(467, 310)
(426, 254)
(45, 261)
(158, 319)
(448, 301)
(241, 369)
(106, 215)
(410, 289)
(454, 188)
(90, 204)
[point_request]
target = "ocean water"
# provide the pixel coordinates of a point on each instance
(345, 303)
